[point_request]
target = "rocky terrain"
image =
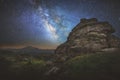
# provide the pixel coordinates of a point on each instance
(89, 36)
(91, 52)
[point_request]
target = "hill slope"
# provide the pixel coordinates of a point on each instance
(98, 66)
(101, 66)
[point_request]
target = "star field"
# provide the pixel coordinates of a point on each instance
(47, 23)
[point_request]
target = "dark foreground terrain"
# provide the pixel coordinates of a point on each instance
(99, 66)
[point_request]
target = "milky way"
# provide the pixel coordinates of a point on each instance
(47, 23)
(52, 20)
(55, 22)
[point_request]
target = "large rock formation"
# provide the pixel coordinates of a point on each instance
(89, 36)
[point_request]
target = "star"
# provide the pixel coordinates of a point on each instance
(119, 18)
(49, 22)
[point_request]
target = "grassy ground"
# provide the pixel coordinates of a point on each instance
(100, 66)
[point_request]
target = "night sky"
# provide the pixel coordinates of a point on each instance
(47, 23)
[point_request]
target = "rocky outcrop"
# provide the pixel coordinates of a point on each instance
(88, 36)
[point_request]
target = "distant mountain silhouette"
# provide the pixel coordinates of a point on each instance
(27, 50)
(34, 50)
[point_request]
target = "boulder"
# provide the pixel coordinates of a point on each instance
(89, 36)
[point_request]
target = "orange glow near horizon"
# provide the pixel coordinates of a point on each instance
(22, 46)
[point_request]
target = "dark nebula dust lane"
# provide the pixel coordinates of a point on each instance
(47, 23)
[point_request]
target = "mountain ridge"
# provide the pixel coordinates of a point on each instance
(26, 50)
